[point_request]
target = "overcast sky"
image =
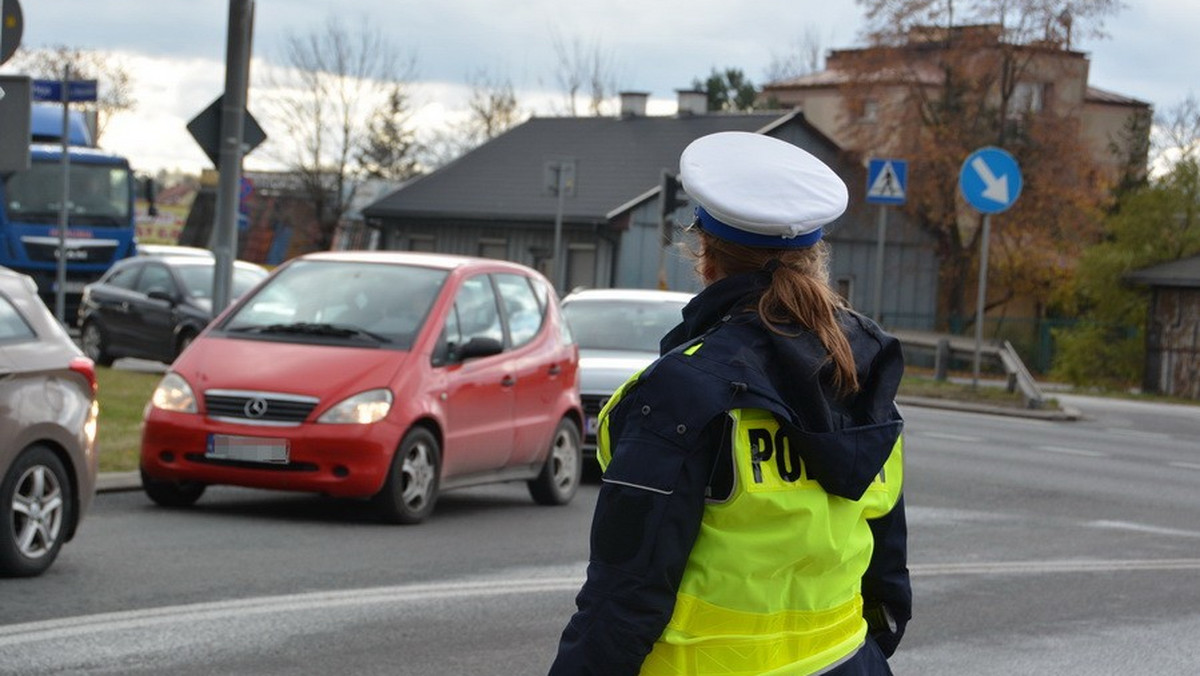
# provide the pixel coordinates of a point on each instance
(175, 48)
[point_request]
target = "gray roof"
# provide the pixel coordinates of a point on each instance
(1184, 272)
(615, 159)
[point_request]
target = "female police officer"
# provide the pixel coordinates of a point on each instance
(750, 520)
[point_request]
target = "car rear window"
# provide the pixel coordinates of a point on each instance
(13, 327)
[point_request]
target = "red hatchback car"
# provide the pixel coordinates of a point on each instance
(387, 375)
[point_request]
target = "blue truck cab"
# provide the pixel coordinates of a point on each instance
(101, 224)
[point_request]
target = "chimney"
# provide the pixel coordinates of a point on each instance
(691, 102)
(633, 104)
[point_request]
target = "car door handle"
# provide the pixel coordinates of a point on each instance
(508, 381)
(555, 369)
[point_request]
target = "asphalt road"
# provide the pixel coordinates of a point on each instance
(1037, 547)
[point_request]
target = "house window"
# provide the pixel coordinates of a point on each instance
(1027, 97)
(844, 286)
(581, 266)
(421, 243)
(870, 111)
(493, 248)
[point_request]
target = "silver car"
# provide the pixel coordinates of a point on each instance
(618, 332)
(48, 414)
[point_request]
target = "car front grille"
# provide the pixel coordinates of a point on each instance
(45, 250)
(258, 408)
(592, 403)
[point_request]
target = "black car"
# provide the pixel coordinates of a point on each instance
(152, 307)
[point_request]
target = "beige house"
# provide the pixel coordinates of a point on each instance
(860, 87)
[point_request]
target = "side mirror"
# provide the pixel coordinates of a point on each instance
(159, 294)
(478, 347)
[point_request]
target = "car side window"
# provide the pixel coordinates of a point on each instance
(474, 315)
(124, 277)
(155, 278)
(522, 310)
(13, 327)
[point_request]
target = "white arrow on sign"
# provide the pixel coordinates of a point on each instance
(996, 189)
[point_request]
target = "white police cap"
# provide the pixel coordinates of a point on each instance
(760, 191)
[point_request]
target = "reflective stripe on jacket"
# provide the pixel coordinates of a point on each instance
(771, 585)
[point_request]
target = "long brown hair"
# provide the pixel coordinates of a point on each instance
(799, 293)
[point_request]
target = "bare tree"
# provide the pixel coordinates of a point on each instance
(1177, 131)
(803, 57)
(326, 101)
(114, 84)
(584, 69)
(492, 109)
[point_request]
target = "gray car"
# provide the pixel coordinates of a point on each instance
(618, 332)
(48, 414)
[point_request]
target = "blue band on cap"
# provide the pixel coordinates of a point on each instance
(727, 232)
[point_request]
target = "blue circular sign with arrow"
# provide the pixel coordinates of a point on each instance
(990, 180)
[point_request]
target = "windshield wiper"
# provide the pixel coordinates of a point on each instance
(315, 329)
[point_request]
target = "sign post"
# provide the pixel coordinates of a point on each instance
(887, 183)
(65, 92)
(560, 182)
(990, 180)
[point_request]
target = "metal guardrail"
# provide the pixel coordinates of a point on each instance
(946, 347)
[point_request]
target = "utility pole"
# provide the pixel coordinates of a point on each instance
(233, 107)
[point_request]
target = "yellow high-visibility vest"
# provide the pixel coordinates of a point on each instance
(772, 585)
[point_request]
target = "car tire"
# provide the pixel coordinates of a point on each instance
(412, 483)
(172, 493)
(37, 506)
(559, 479)
(181, 343)
(94, 340)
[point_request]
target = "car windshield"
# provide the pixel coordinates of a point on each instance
(381, 303)
(621, 324)
(101, 195)
(198, 280)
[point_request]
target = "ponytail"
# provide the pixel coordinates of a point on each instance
(799, 293)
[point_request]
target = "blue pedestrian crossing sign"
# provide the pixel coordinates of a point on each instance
(887, 181)
(990, 180)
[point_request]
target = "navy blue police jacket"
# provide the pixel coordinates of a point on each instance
(640, 540)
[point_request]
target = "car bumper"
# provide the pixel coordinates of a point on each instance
(336, 460)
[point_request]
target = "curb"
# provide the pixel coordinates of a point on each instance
(113, 482)
(1066, 413)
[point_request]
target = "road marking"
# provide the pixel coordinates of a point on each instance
(50, 630)
(1185, 465)
(1040, 567)
(1073, 451)
(951, 437)
(147, 618)
(1137, 434)
(1144, 528)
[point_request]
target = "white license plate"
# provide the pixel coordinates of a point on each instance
(72, 287)
(247, 449)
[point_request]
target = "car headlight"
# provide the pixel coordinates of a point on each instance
(363, 408)
(174, 394)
